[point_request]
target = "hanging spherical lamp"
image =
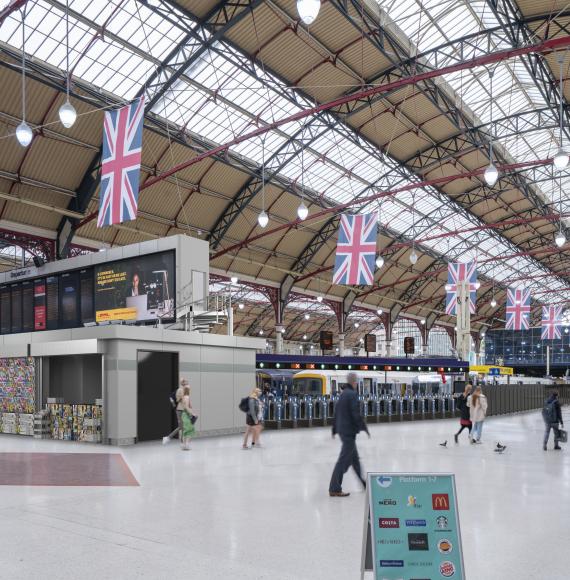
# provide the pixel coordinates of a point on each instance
(302, 211)
(413, 257)
(67, 114)
(493, 302)
(560, 239)
(561, 160)
(379, 262)
(24, 134)
(491, 175)
(308, 10)
(263, 219)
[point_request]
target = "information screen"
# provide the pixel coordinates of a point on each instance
(40, 304)
(69, 296)
(16, 307)
(140, 288)
(86, 295)
(5, 310)
(28, 306)
(52, 302)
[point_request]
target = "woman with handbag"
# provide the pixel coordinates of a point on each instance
(252, 422)
(465, 419)
(188, 419)
(477, 403)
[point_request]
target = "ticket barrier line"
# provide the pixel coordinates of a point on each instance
(307, 411)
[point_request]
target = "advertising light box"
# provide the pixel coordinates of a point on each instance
(140, 288)
(412, 527)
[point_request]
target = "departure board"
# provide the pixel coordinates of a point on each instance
(86, 295)
(16, 307)
(27, 306)
(69, 296)
(40, 304)
(5, 310)
(52, 302)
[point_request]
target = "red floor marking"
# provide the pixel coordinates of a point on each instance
(71, 469)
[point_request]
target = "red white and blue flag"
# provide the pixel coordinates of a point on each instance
(457, 273)
(356, 250)
(121, 163)
(551, 322)
(518, 309)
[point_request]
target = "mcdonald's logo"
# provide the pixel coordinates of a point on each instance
(440, 501)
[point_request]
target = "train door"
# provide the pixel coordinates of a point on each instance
(366, 386)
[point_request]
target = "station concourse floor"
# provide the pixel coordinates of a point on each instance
(217, 512)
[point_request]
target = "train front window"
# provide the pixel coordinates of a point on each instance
(307, 386)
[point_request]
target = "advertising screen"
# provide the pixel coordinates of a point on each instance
(69, 296)
(39, 304)
(16, 307)
(52, 302)
(138, 288)
(5, 310)
(27, 306)
(86, 295)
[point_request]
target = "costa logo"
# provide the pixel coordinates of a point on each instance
(447, 569)
(440, 501)
(389, 522)
(445, 546)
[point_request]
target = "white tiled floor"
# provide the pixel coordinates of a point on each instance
(218, 512)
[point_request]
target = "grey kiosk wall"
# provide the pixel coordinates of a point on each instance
(123, 362)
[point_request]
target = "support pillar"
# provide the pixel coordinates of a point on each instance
(388, 348)
(463, 322)
(341, 344)
(278, 339)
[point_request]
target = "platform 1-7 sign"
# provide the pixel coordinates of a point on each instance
(412, 527)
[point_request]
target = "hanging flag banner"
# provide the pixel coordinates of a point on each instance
(457, 273)
(356, 250)
(121, 163)
(412, 527)
(518, 309)
(551, 322)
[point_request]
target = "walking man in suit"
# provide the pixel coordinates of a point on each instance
(347, 423)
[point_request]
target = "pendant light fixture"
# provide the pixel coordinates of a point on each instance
(319, 298)
(491, 173)
(308, 10)
(23, 132)
(67, 113)
(302, 210)
(263, 218)
(560, 238)
(413, 255)
(561, 157)
(379, 262)
(493, 302)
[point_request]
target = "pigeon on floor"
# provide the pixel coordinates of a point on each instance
(444, 444)
(500, 448)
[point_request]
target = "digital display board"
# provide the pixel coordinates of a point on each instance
(326, 340)
(40, 304)
(86, 295)
(409, 345)
(16, 307)
(5, 310)
(139, 288)
(69, 299)
(370, 343)
(52, 302)
(27, 306)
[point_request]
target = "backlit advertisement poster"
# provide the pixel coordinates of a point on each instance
(413, 527)
(139, 288)
(40, 304)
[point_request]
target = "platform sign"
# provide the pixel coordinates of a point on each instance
(412, 527)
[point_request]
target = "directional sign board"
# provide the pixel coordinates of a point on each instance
(412, 527)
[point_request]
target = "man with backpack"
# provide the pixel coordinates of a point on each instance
(552, 415)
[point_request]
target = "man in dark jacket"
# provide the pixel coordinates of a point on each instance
(552, 415)
(347, 423)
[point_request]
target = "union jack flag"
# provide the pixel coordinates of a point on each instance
(518, 309)
(121, 162)
(356, 250)
(551, 322)
(457, 273)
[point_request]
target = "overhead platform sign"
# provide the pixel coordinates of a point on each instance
(412, 527)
